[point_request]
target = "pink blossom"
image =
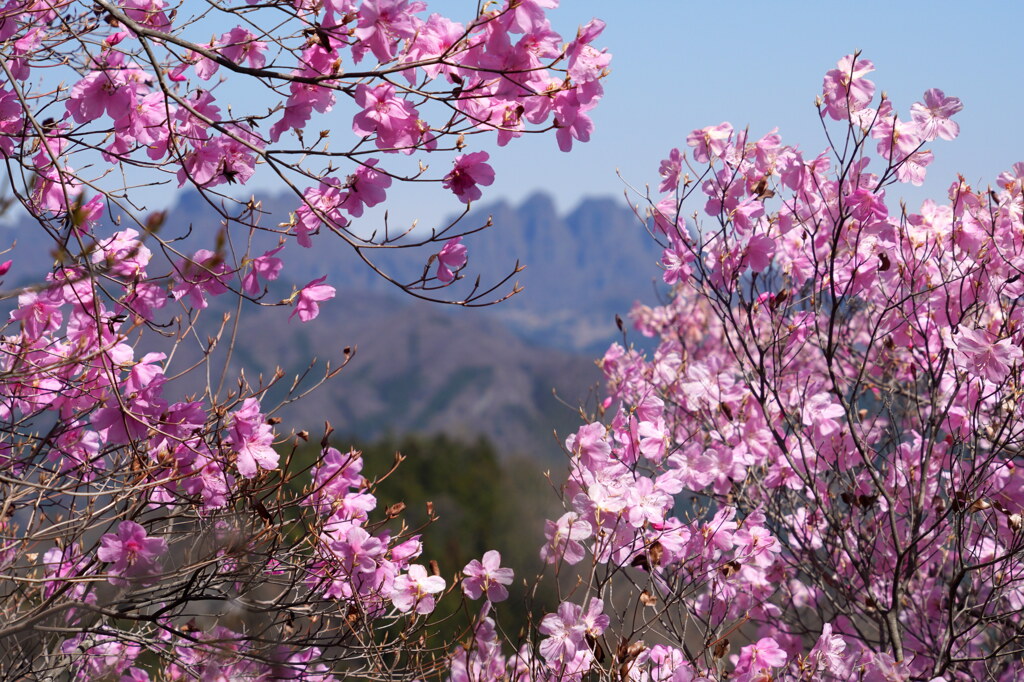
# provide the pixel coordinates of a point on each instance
(668, 221)
(646, 503)
(392, 119)
(720, 466)
(110, 87)
(710, 142)
(309, 296)
(718, 532)
(526, 16)
(828, 651)
(11, 121)
(60, 564)
(240, 46)
(38, 313)
(820, 412)
(565, 633)
(569, 628)
(882, 667)
(756, 544)
(435, 37)
(357, 550)
(846, 89)
(203, 273)
(124, 254)
(382, 23)
(192, 126)
(78, 449)
(319, 204)
(252, 439)
(762, 654)
(416, 590)
(219, 160)
(591, 445)
(984, 355)
(135, 675)
(403, 553)
(1013, 177)
(148, 13)
(570, 109)
(934, 115)
(653, 439)
(85, 217)
(367, 186)
(266, 266)
(100, 656)
(142, 298)
(24, 46)
(746, 214)
(53, 188)
(469, 171)
(297, 112)
(670, 170)
(897, 139)
(205, 67)
(488, 577)
(595, 622)
(587, 63)
(912, 169)
(133, 553)
(866, 206)
(450, 259)
(305, 98)
(334, 476)
(563, 539)
(759, 252)
(208, 477)
(145, 124)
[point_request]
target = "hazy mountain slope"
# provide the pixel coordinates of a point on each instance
(429, 368)
(581, 269)
(415, 369)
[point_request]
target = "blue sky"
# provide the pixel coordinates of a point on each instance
(683, 65)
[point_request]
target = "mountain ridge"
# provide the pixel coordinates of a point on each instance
(422, 368)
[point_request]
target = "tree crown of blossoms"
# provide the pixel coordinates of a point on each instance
(155, 520)
(816, 473)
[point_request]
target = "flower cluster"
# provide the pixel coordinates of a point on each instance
(154, 523)
(353, 564)
(816, 471)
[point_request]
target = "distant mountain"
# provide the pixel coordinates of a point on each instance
(581, 269)
(425, 368)
(418, 369)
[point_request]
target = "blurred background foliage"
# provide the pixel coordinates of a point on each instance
(479, 501)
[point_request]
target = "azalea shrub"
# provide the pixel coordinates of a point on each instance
(817, 473)
(154, 521)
